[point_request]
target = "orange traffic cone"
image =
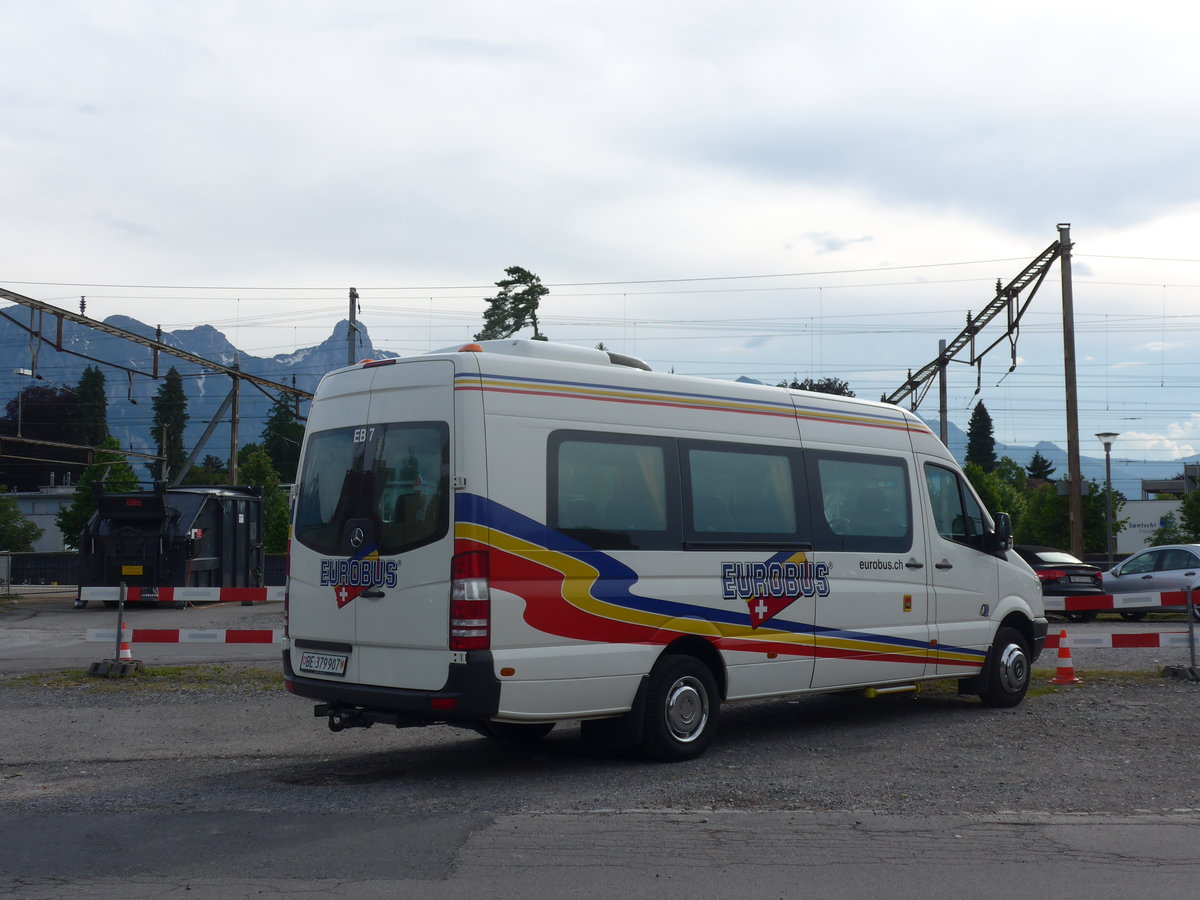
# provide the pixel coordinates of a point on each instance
(125, 654)
(1066, 669)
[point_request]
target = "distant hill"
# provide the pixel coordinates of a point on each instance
(130, 414)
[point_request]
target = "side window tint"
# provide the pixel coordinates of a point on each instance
(957, 515)
(1176, 559)
(613, 492)
(741, 494)
(412, 469)
(332, 470)
(862, 503)
(974, 519)
(1139, 565)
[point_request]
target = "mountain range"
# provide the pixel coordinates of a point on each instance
(130, 414)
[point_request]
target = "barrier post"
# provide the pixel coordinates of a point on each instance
(1191, 617)
(120, 621)
(1187, 673)
(122, 662)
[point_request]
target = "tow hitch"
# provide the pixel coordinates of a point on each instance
(341, 719)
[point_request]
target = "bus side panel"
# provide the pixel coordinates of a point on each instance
(872, 624)
(618, 608)
(965, 582)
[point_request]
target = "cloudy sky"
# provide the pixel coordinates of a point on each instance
(754, 188)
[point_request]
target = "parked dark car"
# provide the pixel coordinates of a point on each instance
(1175, 567)
(1063, 575)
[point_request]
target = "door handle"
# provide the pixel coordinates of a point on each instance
(1147, 578)
(372, 593)
(913, 564)
(944, 564)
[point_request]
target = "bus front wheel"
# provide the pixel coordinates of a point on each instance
(1008, 669)
(682, 709)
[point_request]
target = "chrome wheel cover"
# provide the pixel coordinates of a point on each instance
(1013, 668)
(686, 709)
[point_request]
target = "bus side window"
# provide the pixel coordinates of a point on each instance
(741, 493)
(866, 501)
(613, 491)
(956, 514)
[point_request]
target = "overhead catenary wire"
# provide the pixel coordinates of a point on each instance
(386, 305)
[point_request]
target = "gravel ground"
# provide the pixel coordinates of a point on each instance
(1121, 742)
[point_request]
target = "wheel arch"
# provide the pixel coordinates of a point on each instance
(1020, 622)
(707, 653)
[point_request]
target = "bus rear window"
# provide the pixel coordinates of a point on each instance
(391, 481)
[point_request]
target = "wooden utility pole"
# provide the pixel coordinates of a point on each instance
(352, 331)
(164, 472)
(234, 414)
(1074, 485)
(943, 417)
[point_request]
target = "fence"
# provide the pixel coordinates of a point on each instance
(63, 568)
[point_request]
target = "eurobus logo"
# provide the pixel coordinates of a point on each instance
(350, 577)
(770, 587)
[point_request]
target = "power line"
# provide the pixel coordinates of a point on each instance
(465, 287)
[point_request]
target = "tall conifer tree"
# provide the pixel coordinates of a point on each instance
(281, 437)
(170, 422)
(981, 444)
(91, 407)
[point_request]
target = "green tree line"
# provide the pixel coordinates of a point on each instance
(1040, 514)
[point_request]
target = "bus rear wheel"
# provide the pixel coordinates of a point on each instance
(682, 709)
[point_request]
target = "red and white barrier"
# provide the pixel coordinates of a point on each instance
(189, 635)
(185, 594)
(1170, 601)
(1119, 640)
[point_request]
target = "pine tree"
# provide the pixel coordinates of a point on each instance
(170, 423)
(514, 307)
(981, 444)
(91, 407)
(281, 437)
(1039, 467)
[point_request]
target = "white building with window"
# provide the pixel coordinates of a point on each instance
(40, 507)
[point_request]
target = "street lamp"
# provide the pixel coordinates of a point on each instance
(1107, 438)
(27, 373)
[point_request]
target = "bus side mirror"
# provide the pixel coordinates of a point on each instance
(1001, 539)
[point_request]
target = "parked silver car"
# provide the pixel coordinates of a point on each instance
(1175, 567)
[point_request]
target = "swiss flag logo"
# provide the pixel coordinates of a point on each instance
(763, 608)
(344, 593)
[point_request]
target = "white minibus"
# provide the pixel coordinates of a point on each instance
(512, 534)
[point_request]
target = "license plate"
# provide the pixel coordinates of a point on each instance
(323, 663)
(1082, 579)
